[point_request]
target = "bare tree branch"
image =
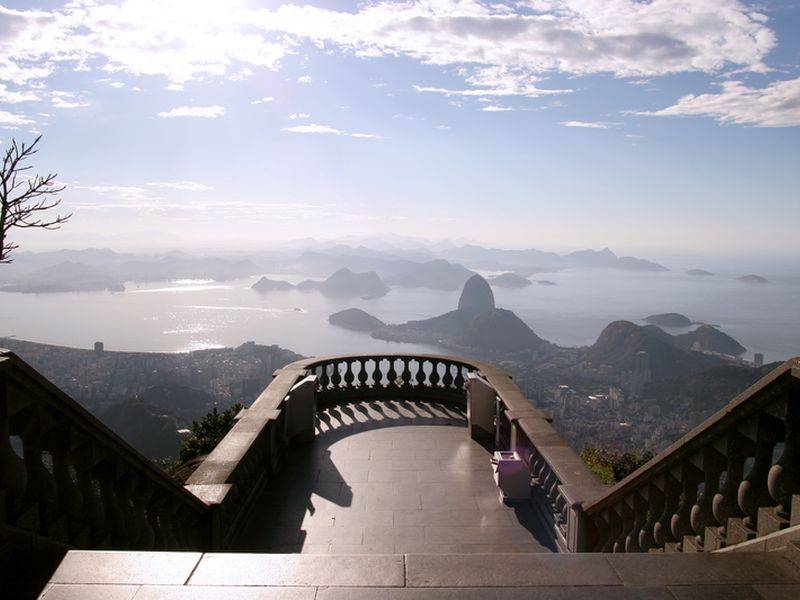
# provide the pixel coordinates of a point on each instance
(25, 199)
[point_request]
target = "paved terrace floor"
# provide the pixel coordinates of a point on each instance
(386, 477)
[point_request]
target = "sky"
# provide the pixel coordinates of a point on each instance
(648, 126)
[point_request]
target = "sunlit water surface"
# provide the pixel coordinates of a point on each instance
(195, 314)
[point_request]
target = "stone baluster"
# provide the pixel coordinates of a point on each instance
(654, 497)
(724, 505)
(93, 516)
(601, 532)
(638, 507)
(142, 492)
(784, 477)
(662, 532)
(13, 476)
(765, 431)
(336, 376)
(626, 518)
(614, 521)
(422, 375)
(114, 521)
(712, 464)
(41, 489)
(690, 477)
(68, 495)
(123, 489)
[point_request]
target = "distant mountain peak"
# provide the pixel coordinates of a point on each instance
(477, 296)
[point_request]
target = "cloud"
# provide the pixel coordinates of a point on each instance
(299, 116)
(264, 100)
(313, 128)
(589, 124)
(443, 127)
(495, 108)
(500, 49)
(189, 186)
(61, 99)
(13, 119)
(775, 105)
(327, 129)
(304, 79)
(13, 96)
(206, 112)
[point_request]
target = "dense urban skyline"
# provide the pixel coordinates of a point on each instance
(668, 125)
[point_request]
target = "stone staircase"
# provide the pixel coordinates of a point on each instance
(170, 575)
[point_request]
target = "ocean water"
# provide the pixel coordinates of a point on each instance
(195, 314)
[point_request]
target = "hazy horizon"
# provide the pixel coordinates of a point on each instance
(667, 127)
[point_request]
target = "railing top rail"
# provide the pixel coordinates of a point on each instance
(752, 399)
(13, 367)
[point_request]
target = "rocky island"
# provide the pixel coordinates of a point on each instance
(477, 322)
(752, 279)
(509, 280)
(356, 320)
(342, 284)
(699, 273)
(669, 320)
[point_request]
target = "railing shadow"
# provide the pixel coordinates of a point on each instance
(310, 479)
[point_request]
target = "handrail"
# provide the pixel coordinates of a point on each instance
(718, 484)
(79, 483)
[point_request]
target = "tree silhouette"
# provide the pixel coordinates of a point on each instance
(25, 199)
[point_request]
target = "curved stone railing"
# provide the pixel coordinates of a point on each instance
(733, 478)
(66, 477)
(250, 455)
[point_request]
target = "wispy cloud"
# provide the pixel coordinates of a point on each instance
(314, 128)
(304, 79)
(299, 116)
(14, 119)
(496, 108)
(15, 96)
(205, 112)
(589, 124)
(61, 99)
(189, 186)
(775, 105)
(264, 100)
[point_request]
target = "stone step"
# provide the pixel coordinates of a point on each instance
(91, 574)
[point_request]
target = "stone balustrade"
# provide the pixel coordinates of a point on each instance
(66, 477)
(234, 473)
(733, 478)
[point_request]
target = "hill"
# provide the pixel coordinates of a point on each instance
(620, 341)
(345, 283)
(708, 338)
(699, 273)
